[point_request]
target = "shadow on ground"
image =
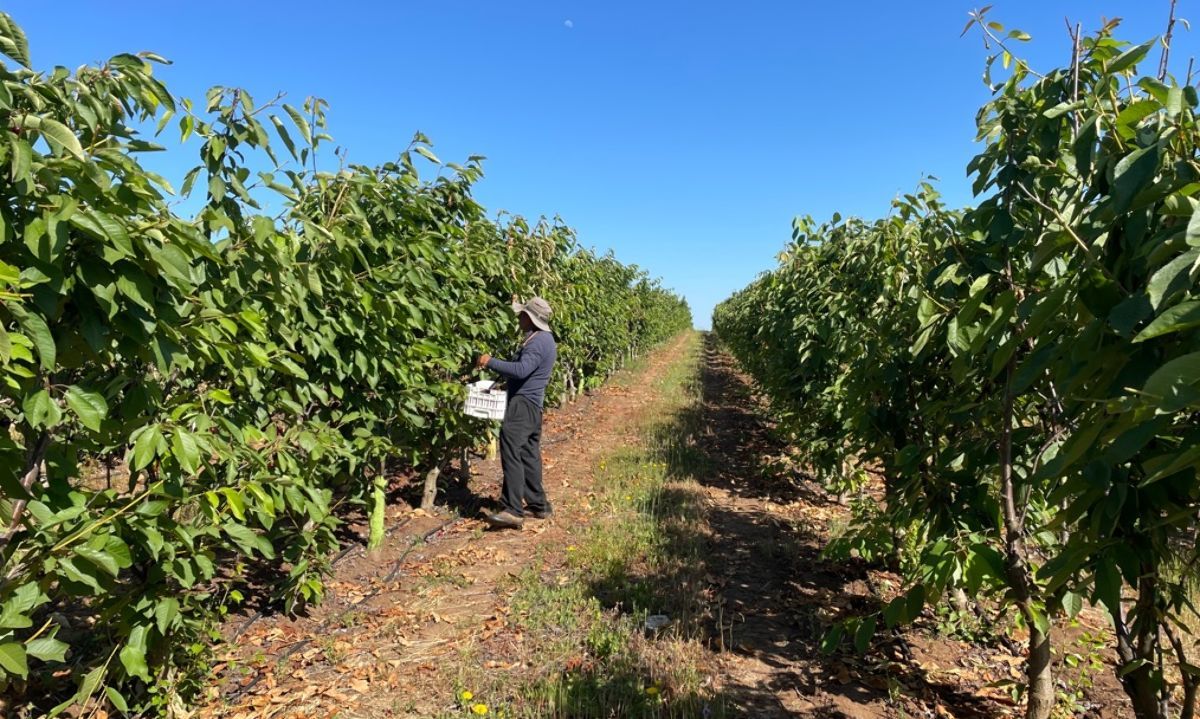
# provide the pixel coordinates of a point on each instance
(755, 587)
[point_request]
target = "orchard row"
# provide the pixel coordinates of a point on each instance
(187, 398)
(1024, 375)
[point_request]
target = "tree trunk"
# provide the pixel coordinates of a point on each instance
(33, 469)
(1140, 646)
(378, 509)
(1038, 676)
(1190, 682)
(430, 494)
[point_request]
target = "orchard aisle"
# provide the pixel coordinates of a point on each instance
(778, 596)
(672, 495)
(397, 619)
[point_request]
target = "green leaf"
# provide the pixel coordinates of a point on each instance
(1134, 113)
(41, 410)
(81, 573)
(248, 540)
(133, 654)
(48, 649)
(186, 450)
(90, 407)
(5, 346)
(427, 154)
(37, 330)
(57, 134)
(301, 123)
(22, 158)
(915, 603)
(148, 444)
(103, 228)
(1108, 584)
(1180, 317)
(9, 275)
(1131, 667)
(1174, 102)
(116, 548)
(1039, 619)
(832, 639)
(117, 699)
(165, 612)
(175, 264)
(12, 40)
(235, 501)
(188, 181)
(895, 611)
(100, 558)
(14, 617)
(1134, 172)
(1130, 57)
(1072, 604)
(1192, 235)
(12, 659)
(216, 187)
(1167, 380)
(864, 634)
(1172, 278)
(292, 368)
(285, 136)
(89, 685)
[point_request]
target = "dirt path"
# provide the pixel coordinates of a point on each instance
(435, 591)
(778, 595)
(435, 602)
(769, 524)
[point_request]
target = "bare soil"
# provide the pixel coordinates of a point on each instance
(400, 620)
(396, 617)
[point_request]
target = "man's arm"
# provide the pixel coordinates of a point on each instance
(530, 359)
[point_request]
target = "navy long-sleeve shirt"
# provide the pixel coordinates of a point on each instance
(529, 373)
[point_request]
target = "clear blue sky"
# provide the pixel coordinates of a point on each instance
(683, 135)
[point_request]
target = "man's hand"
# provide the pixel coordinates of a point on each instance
(483, 360)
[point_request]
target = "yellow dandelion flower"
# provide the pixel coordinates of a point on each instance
(467, 696)
(652, 691)
(479, 709)
(571, 548)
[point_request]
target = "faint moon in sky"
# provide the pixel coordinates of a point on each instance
(568, 24)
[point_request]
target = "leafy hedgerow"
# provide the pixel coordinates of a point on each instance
(186, 395)
(1025, 374)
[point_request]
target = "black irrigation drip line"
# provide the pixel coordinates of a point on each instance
(341, 555)
(297, 646)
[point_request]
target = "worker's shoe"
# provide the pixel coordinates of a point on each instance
(546, 513)
(505, 519)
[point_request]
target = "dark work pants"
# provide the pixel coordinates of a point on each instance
(521, 457)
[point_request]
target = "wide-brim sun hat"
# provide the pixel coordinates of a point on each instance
(538, 311)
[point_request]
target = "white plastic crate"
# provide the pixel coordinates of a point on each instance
(485, 401)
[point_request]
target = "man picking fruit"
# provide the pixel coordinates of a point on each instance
(520, 434)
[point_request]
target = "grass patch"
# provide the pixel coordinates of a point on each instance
(583, 614)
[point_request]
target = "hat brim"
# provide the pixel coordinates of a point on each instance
(538, 322)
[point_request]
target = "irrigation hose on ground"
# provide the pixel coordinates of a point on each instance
(324, 626)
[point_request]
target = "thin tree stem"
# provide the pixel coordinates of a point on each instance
(1164, 59)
